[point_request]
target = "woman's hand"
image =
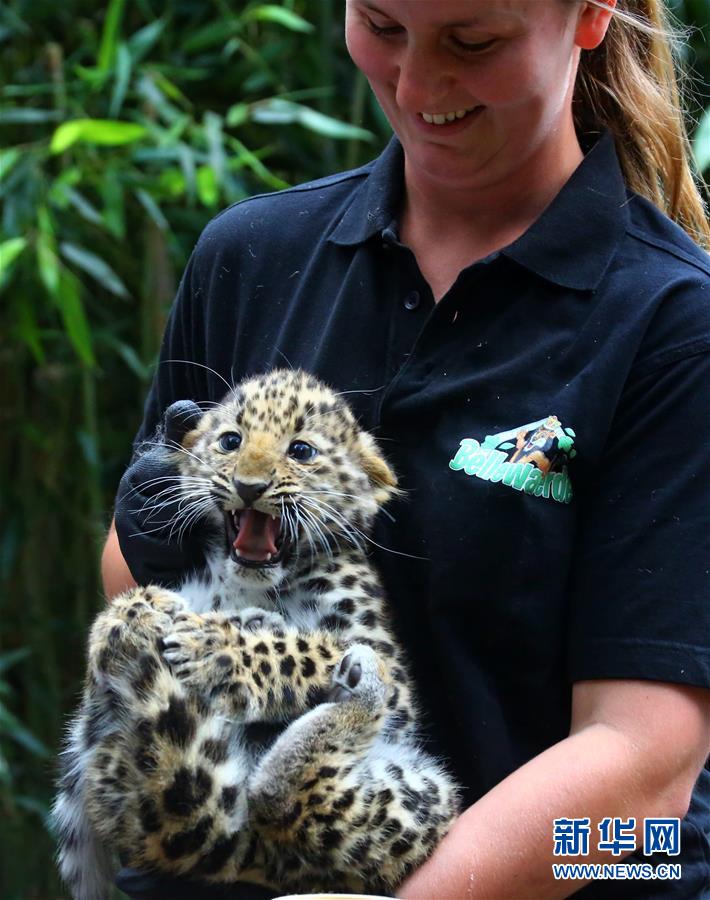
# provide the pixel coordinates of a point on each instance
(148, 517)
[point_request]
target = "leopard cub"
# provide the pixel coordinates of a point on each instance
(257, 724)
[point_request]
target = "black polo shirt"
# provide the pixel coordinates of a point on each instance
(548, 420)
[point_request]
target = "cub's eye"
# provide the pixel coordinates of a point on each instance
(301, 451)
(230, 441)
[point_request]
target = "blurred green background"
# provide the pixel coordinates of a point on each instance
(124, 126)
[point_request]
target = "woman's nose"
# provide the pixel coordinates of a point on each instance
(423, 81)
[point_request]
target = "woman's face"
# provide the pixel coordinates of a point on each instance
(500, 71)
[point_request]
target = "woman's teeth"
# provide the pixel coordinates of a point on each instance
(443, 118)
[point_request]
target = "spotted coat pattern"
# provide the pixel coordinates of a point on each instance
(258, 724)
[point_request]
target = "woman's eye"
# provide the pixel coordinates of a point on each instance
(385, 30)
(230, 441)
(301, 451)
(473, 47)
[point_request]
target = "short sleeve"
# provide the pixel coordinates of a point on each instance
(640, 583)
(178, 373)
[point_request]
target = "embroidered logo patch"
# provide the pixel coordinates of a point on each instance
(531, 458)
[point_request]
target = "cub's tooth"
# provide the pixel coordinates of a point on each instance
(460, 113)
(268, 557)
(238, 551)
(439, 119)
(450, 116)
(427, 118)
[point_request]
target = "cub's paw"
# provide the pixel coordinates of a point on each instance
(360, 676)
(201, 650)
(132, 625)
(253, 618)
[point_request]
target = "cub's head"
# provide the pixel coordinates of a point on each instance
(285, 468)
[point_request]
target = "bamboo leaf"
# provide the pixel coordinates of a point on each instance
(8, 158)
(207, 189)
(153, 210)
(124, 64)
(279, 111)
(129, 356)
(188, 167)
(143, 40)
(237, 115)
(215, 146)
(269, 12)
(104, 132)
(111, 190)
(48, 262)
(85, 209)
(12, 115)
(245, 157)
(28, 331)
(5, 776)
(98, 268)
(109, 37)
(76, 325)
(67, 134)
(170, 89)
(149, 90)
(172, 183)
(330, 127)
(10, 250)
(216, 33)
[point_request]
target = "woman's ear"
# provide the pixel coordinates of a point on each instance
(592, 23)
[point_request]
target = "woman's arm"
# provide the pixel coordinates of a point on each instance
(635, 749)
(115, 574)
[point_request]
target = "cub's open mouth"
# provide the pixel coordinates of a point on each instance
(255, 539)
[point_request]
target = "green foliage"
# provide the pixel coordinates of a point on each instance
(123, 128)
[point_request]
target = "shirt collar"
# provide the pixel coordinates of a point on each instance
(570, 244)
(376, 202)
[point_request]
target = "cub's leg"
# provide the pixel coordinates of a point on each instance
(131, 625)
(332, 790)
(170, 792)
(124, 635)
(258, 668)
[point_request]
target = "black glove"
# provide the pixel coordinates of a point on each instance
(156, 549)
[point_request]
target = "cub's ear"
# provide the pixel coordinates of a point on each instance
(373, 463)
(179, 419)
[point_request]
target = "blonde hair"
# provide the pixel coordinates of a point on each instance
(630, 86)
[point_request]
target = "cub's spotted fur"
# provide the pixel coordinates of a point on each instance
(258, 724)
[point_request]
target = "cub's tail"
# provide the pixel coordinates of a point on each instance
(84, 863)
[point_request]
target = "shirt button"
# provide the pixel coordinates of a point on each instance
(412, 300)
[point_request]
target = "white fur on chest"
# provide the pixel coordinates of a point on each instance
(221, 590)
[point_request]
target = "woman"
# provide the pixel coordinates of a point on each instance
(502, 301)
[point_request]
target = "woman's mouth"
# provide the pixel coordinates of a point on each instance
(443, 118)
(447, 120)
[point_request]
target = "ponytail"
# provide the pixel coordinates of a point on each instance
(628, 85)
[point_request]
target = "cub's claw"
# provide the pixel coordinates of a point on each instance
(255, 619)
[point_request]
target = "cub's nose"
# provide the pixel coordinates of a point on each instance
(250, 492)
